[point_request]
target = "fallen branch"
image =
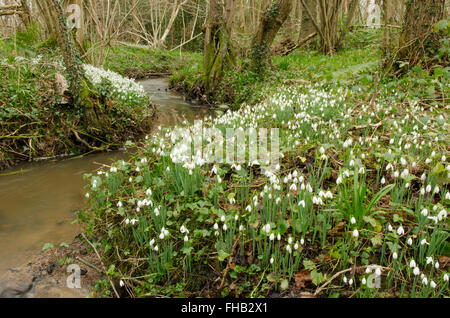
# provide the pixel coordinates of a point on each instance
(299, 44)
(374, 97)
(367, 126)
(90, 265)
(103, 265)
(84, 142)
(321, 288)
(230, 259)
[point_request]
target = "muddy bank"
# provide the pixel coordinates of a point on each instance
(45, 275)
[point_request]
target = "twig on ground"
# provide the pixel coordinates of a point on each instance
(103, 265)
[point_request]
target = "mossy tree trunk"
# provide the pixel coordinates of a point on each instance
(417, 39)
(79, 86)
(268, 28)
(218, 49)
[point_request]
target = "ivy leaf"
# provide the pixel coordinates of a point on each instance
(223, 255)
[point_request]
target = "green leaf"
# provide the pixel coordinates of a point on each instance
(376, 240)
(223, 255)
(317, 277)
(47, 246)
(284, 284)
(271, 277)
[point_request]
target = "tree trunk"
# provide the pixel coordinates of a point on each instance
(417, 39)
(218, 51)
(328, 27)
(352, 9)
(307, 27)
(268, 28)
(80, 88)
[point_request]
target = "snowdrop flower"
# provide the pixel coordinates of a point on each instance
(378, 271)
(424, 212)
(119, 204)
(436, 265)
(266, 228)
(400, 230)
(156, 248)
(186, 238)
(338, 180)
(302, 241)
(271, 260)
(383, 180)
(425, 281)
(433, 284)
(390, 228)
(436, 190)
(445, 277)
(423, 242)
(272, 237)
(87, 195)
(216, 226)
(428, 188)
(127, 221)
(364, 281)
(355, 233)
(289, 249)
(412, 264)
(345, 280)
(121, 283)
(416, 271)
(404, 174)
(222, 218)
(353, 220)
(395, 255)
(302, 203)
(409, 241)
(447, 196)
(350, 281)
(296, 246)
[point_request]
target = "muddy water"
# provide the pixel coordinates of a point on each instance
(38, 204)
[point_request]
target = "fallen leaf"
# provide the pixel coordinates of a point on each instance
(302, 278)
(444, 261)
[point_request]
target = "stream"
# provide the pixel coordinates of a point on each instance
(39, 202)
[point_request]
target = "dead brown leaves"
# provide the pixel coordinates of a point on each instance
(302, 279)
